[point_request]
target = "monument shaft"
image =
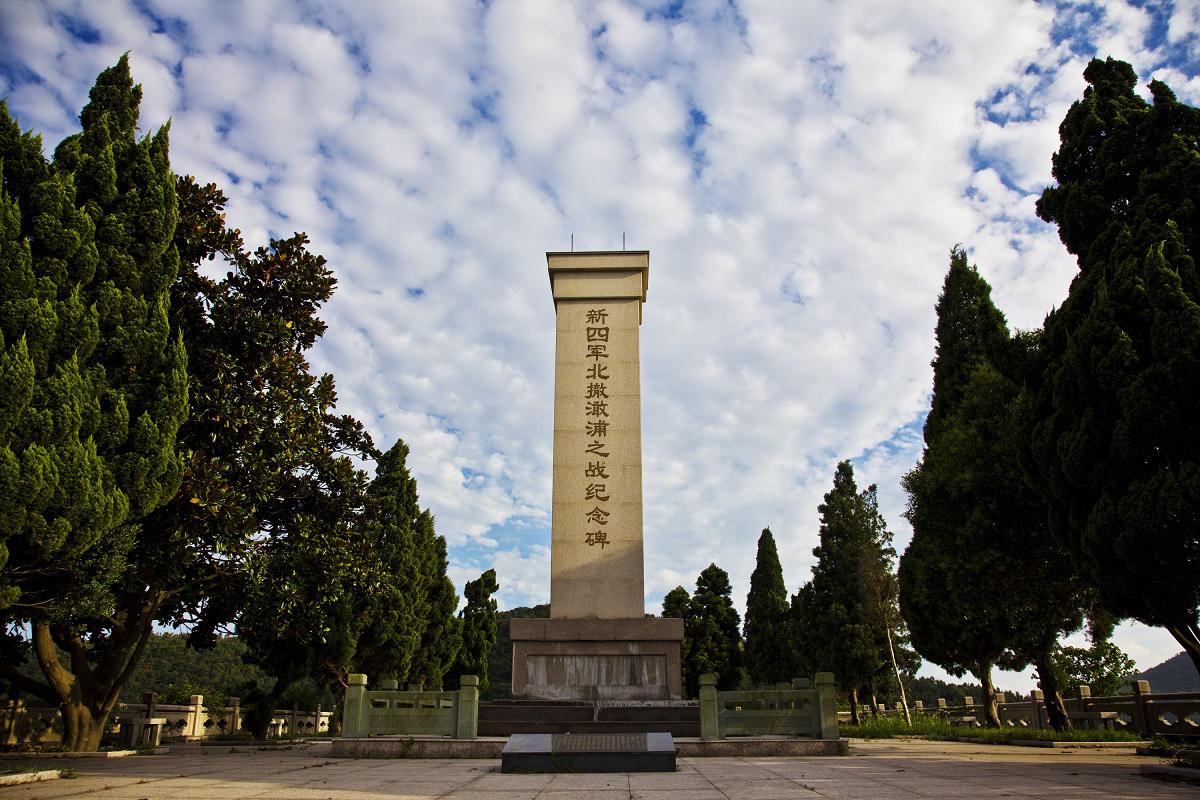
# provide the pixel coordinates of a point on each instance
(597, 644)
(596, 522)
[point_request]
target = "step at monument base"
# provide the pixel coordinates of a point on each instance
(589, 752)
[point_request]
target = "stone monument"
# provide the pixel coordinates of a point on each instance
(597, 644)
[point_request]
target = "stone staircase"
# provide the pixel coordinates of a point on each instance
(504, 718)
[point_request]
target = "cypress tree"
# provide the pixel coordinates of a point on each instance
(712, 629)
(393, 610)
(109, 390)
(442, 637)
(835, 624)
(768, 654)
(676, 605)
(1115, 419)
(478, 628)
(983, 583)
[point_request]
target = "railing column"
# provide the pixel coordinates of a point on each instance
(827, 723)
(195, 726)
(354, 717)
(1143, 717)
(467, 707)
(710, 726)
(1036, 717)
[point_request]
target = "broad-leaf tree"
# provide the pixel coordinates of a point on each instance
(1116, 417)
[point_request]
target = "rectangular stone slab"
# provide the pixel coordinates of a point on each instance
(588, 752)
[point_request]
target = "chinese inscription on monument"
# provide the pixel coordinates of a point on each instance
(596, 426)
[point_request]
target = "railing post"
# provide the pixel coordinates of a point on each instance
(1036, 719)
(467, 708)
(1143, 717)
(710, 724)
(827, 723)
(195, 727)
(235, 715)
(354, 716)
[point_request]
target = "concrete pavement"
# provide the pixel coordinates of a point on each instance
(874, 770)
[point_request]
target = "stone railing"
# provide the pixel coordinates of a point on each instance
(20, 724)
(390, 711)
(799, 708)
(1142, 712)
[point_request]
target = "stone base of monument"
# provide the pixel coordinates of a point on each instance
(679, 718)
(589, 752)
(596, 659)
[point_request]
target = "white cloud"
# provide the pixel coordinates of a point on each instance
(799, 172)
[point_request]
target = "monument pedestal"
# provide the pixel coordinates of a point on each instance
(596, 659)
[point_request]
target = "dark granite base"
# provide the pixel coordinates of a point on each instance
(588, 752)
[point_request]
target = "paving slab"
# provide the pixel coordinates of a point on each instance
(886, 770)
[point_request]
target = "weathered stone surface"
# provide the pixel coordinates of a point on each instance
(570, 659)
(595, 752)
(596, 569)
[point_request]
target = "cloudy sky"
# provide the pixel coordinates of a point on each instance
(799, 171)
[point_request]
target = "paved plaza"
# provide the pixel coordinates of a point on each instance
(874, 770)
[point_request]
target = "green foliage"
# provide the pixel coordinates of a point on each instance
(175, 671)
(711, 628)
(392, 607)
(768, 649)
(500, 659)
(839, 619)
(676, 604)
(938, 728)
(93, 386)
(1115, 421)
(442, 637)
(979, 531)
(478, 628)
(1103, 667)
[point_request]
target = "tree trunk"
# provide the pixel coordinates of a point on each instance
(83, 727)
(1189, 637)
(899, 681)
(854, 717)
(1051, 692)
(87, 692)
(991, 717)
(870, 686)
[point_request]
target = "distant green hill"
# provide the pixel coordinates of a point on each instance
(1176, 674)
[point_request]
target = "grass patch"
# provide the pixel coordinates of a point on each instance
(891, 727)
(939, 729)
(18, 769)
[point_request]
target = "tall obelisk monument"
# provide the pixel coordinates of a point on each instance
(596, 524)
(597, 643)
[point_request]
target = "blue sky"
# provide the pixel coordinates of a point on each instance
(799, 172)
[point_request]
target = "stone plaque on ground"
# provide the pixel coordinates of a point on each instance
(589, 752)
(597, 643)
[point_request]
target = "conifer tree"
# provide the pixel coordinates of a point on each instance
(478, 628)
(108, 396)
(712, 629)
(442, 637)
(1115, 418)
(393, 608)
(983, 583)
(833, 624)
(768, 651)
(676, 605)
